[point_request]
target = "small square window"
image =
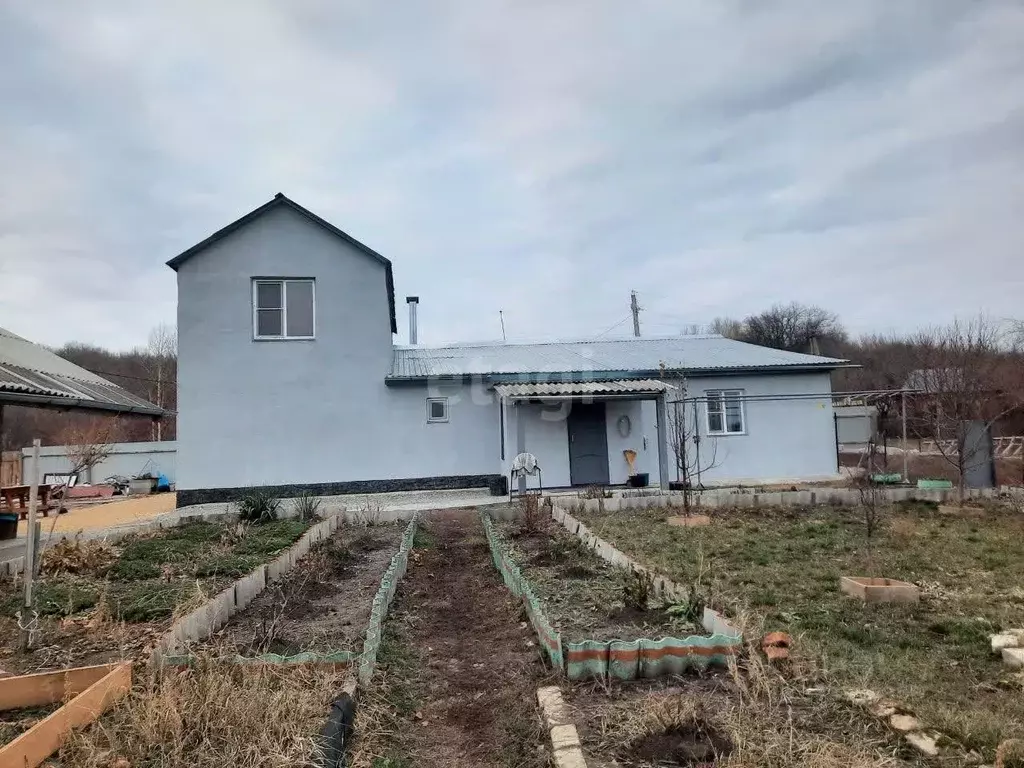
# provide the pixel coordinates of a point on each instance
(437, 409)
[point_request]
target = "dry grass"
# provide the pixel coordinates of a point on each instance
(753, 717)
(212, 716)
(78, 556)
(932, 657)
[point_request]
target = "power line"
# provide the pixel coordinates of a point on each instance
(613, 326)
(129, 376)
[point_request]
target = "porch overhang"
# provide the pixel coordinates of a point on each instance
(560, 390)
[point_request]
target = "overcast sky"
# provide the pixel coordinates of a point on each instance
(542, 158)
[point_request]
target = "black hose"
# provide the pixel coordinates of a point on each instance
(335, 734)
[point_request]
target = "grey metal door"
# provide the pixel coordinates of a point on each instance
(588, 444)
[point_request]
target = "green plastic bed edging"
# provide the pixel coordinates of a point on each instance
(382, 601)
(620, 659)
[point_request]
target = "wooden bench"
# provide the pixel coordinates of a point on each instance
(21, 493)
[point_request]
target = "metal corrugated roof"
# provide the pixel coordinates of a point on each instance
(594, 357)
(616, 387)
(33, 375)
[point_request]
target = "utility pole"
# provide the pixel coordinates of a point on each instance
(635, 309)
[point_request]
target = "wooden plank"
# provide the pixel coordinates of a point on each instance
(39, 742)
(49, 687)
(10, 468)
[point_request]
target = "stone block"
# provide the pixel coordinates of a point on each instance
(1013, 657)
(925, 743)
(564, 737)
(1004, 640)
(904, 723)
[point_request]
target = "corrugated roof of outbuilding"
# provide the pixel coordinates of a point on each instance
(33, 375)
(596, 357)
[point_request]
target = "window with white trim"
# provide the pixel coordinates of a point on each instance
(284, 308)
(437, 409)
(725, 412)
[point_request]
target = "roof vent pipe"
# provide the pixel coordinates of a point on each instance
(413, 302)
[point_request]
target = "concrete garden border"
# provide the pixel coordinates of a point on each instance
(840, 497)
(618, 659)
(92, 691)
(215, 613)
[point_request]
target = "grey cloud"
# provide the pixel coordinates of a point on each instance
(536, 158)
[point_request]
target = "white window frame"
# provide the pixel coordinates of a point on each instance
(722, 395)
(283, 282)
(431, 419)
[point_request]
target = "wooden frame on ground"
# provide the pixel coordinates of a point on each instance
(88, 692)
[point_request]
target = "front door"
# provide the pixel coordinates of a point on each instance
(588, 444)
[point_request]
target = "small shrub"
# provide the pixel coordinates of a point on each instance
(596, 492)
(258, 505)
(690, 610)
(307, 506)
(637, 589)
(529, 505)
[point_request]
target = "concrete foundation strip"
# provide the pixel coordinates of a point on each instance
(565, 740)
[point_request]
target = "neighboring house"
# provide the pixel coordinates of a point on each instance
(288, 377)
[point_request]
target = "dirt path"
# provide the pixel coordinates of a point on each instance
(463, 668)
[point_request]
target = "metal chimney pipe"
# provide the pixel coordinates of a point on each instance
(413, 302)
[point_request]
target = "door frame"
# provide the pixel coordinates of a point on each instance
(599, 404)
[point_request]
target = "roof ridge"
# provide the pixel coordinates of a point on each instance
(560, 342)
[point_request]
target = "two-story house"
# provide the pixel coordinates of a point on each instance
(289, 377)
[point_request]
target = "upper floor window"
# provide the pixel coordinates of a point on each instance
(725, 412)
(283, 308)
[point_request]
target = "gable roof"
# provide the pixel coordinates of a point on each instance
(278, 201)
(33, 375)
(601, 358)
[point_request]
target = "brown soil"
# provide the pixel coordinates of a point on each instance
(690, 744)
(582, 594)
(14, 722)
(323, 604)
(472, 663)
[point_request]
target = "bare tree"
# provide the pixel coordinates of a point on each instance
(872, 500)
(965, 372)
(729, 327)
(87, 441)
(694, 453)
(162, 349)
(793, 327)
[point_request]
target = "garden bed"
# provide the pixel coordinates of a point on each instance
(585, 597)
(322, 605)
(784, 566)
(98, 603)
